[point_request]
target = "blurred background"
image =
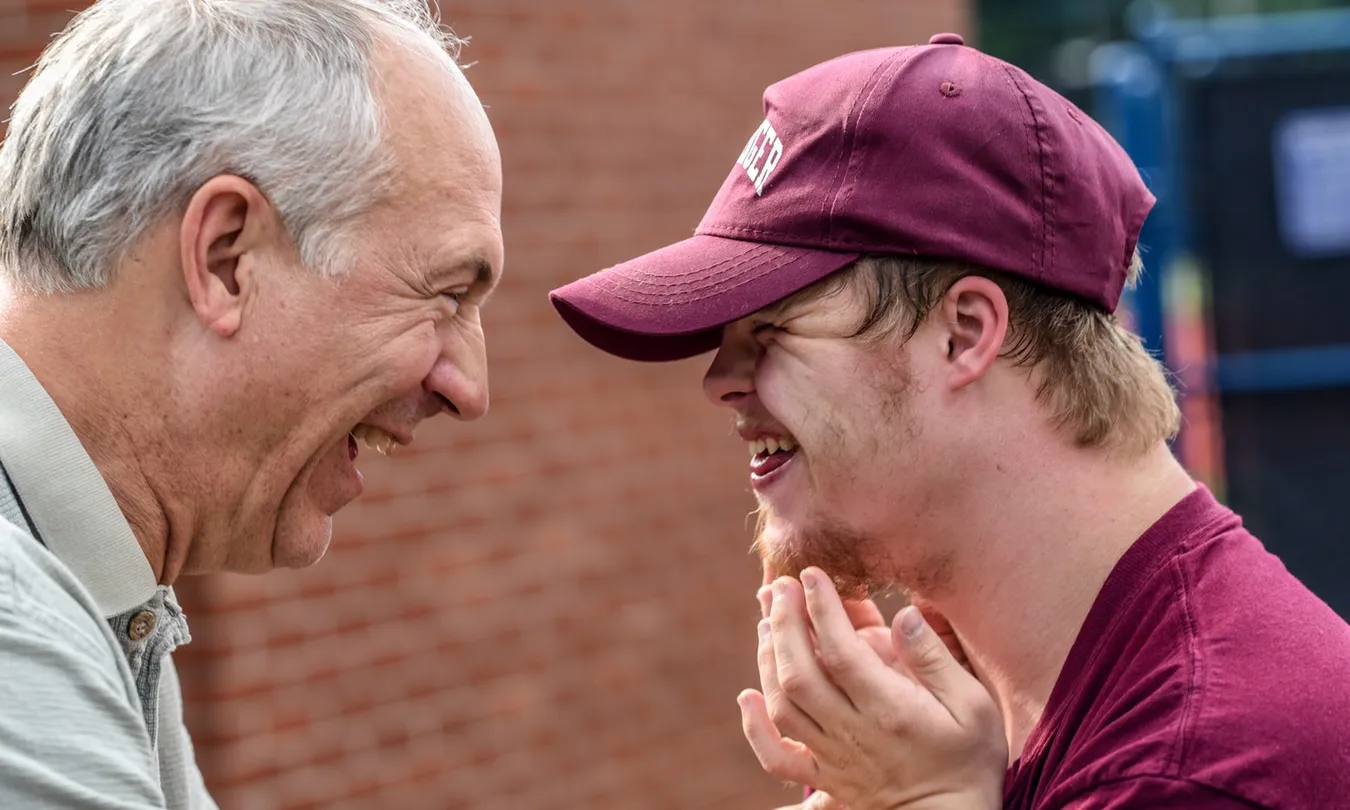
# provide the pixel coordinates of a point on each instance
(554, 608)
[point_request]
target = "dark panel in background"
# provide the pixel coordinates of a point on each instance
(1288, 475)
(1266, 296)
(1287, 452)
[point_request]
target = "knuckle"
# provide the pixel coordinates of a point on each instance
(836, 660)
(781, 713)
(932, 657)
(794, 681)
(893, 722)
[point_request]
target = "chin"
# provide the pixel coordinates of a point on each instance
(787, 548)
(301, 543)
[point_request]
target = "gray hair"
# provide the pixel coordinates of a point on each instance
(137, 103)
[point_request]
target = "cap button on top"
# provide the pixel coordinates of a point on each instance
(946, 39)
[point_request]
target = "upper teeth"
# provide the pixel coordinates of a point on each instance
(376, 439)
(762, 446)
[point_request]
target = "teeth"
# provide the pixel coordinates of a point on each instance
(761, 447)
(376, 439)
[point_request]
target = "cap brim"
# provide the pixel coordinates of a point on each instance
(672, 303)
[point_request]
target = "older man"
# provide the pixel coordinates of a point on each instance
(239, 241)
(908, 279)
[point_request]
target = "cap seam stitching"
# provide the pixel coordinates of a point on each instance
(851, 243)
(744, 251)
(618, 291)
(1036, 157)
(831, 202)
(694, 285)
(894, 64)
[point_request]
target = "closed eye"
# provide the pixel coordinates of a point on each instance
(455, 297)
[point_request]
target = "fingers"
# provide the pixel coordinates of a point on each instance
(944, 630)
(784, 758)
(782, 708)
(800, 678)
(879, 640)
(847, 659)
(857, 660)
(926, 655)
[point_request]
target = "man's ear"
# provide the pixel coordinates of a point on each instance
(974, 315)
(229, 224)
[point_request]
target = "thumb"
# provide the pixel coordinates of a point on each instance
(925, 654)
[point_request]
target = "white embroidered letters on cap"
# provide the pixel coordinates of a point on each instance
(761, 155)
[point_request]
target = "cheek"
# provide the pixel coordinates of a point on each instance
(403, 362)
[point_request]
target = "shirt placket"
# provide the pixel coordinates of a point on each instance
(148, 633)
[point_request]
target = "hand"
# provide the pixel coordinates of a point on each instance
(872, 628)
(915, 732)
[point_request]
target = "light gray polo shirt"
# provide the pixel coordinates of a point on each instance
(91, 714)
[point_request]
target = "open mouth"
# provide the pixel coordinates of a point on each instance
(380, 441)
(769, 454)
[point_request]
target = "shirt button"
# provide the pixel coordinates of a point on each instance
(142, 625)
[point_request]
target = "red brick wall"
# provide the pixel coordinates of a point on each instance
(552, 608)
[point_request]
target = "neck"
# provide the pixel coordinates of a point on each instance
(1038, 547)
(89, 352)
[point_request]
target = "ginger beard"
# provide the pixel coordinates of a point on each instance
(859, 568)
(833, 549)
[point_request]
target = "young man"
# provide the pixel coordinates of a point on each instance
(909, 278)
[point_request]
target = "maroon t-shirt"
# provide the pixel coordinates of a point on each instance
(1205, 677)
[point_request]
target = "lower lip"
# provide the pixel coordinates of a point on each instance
(764, 473)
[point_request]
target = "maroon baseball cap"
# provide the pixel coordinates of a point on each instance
(932, 150)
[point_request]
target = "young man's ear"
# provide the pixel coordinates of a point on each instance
(228, 225)
(974, 314)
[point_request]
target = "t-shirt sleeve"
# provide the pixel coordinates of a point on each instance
(70, 734)
(1151, 793)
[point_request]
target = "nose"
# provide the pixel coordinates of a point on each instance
(459, 379)
(731, 377)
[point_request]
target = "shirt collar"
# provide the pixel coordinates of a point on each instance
(66, 496)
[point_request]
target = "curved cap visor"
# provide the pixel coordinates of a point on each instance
(672, 303)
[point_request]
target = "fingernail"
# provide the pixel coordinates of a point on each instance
(765, 596)
(911, 622)
(779, 588)
(764, 627)
(809, 580)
